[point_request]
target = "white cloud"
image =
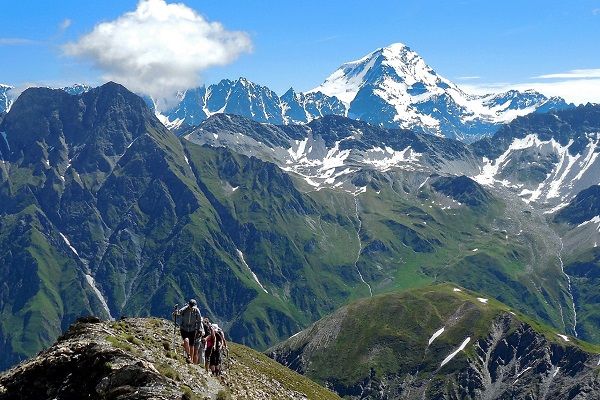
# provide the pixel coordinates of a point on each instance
(572, 74)
(159, 48)
(578, 91)
(468, 78)
(65, 24)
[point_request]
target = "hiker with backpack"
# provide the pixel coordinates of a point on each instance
(209, 340)
(219, 345)
(191, 329)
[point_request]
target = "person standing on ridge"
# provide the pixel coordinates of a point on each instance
(209, 340)
(190, 328)
(218, 346)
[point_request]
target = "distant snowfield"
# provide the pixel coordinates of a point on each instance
(323, 167)
(569, 175)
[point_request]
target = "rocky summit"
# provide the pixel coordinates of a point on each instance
(140, 358)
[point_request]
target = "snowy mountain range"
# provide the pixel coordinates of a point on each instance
(544, 159)
(247, 99)
(392, 87)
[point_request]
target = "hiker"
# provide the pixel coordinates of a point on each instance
(207, 331)
(190, 328)
(209, 340)
(218, 346)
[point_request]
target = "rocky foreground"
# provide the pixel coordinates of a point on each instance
(140, 358)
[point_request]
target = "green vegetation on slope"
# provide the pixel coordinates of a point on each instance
(387, 342)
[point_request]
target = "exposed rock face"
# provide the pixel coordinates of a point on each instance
(135, 359)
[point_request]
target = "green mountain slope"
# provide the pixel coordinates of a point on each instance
(104, 211)
(112, 214)
(440, 342)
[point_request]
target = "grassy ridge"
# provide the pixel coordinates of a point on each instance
(386, 339)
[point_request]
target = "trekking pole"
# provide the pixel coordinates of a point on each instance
(175, 326)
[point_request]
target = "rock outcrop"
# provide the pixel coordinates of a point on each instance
(138, 358)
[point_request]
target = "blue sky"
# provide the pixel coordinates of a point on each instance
(299, 43)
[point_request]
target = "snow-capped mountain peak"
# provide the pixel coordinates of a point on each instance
(391, 87)
(395, 68)
(394, 87)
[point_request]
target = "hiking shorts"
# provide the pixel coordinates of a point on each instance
(215, 357)
(191, 336)
(208, 354)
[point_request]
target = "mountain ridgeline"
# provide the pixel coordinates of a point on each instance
(391, 87)
(440, 342)
(105, 211)
(134, 358)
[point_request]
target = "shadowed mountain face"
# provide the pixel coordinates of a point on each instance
(584, 207)
(440, 342)
(462, 189)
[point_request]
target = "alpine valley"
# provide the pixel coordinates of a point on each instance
(386, 234)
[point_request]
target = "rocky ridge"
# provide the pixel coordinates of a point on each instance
(138, 358)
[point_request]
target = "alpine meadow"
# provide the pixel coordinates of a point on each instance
(209, 201)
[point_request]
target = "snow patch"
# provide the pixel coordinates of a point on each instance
(90, 280)
(390, 158)
(456, 290)
(482, 300)
(455, 352)
(435, 335)
(241, 256)
(295, 334)
(563, 337)
(555, 209)
(522, 372)
(595, 220)
(69, 244)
